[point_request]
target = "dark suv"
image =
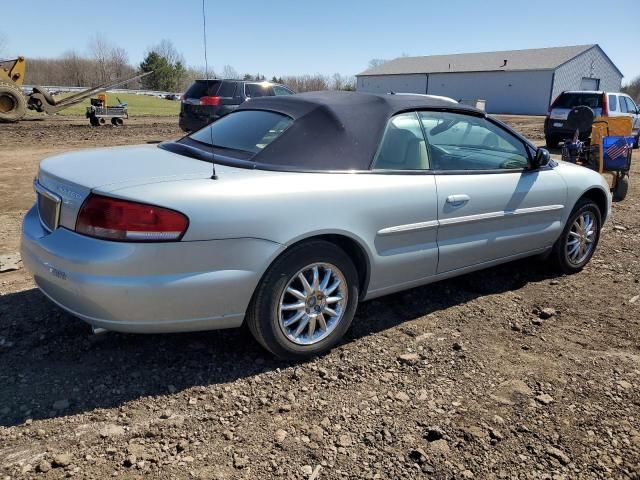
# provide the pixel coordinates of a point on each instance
(208, 100)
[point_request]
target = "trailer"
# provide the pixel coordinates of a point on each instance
(99, 112)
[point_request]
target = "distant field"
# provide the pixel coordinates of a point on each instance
(139, 105)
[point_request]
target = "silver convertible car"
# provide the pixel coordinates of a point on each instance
(289, 211)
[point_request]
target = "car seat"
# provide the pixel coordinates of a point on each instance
(402, 150)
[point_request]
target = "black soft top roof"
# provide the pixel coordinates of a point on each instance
(336, 130)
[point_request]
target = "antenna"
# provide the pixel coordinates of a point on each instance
(206, 73)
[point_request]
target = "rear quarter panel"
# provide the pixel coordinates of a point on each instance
(287, 207)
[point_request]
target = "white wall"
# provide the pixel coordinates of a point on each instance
(591, 64)
(415, 83)
(505, 92)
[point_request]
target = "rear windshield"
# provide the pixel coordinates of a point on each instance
(245, 131)
(203, 88)
(571, 100)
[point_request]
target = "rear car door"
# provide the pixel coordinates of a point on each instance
(490, 204)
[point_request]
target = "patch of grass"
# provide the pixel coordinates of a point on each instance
(139, 105)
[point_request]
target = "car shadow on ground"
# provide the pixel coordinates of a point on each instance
(51, 366)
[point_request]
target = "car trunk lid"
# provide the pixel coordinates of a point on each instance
(64, 181)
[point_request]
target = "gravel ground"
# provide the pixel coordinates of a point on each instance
(513, 372)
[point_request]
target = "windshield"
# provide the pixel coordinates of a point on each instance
(245, 131)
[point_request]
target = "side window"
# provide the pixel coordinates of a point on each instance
(402, 146)
(257, 90)
(227, 89)
(613, 103)
(465, 142)
(631, 105)
(280, 90)
(623, 105)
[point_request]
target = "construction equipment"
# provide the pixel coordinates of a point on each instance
(99, 111)
(14, 104)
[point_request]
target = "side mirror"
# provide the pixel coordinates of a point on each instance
(541, 159)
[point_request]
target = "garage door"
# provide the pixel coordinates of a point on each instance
(589, 83)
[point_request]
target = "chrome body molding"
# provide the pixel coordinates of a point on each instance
(497, 215)
(416, 227)
(411, 227)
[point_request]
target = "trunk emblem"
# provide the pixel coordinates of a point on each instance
(69, 193)
(55, 272)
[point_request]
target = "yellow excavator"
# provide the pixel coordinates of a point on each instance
(14, 104)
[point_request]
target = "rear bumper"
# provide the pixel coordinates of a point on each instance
(146, 287)
(190, 123)
(560, 132)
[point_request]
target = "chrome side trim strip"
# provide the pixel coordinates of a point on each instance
(416, 227)
(496, 215)
(411, 227)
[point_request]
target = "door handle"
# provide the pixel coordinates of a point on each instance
(458, 199)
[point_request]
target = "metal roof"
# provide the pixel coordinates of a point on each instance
(509, 60)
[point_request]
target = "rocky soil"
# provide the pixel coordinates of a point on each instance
(511, 373)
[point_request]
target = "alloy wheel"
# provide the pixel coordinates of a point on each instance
(581, 238)
(313, 303)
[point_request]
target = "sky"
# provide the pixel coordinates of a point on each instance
(296, 37)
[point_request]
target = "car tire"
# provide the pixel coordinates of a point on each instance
(563, 255)
(271, 316)
(552, 141)
(13, 105)
(622, 187)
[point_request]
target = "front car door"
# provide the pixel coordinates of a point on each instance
(491, 206)
(405, 222)
(632, 109)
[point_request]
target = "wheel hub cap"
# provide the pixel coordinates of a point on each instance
(313, 303)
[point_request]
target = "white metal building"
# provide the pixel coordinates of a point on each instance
(515, 81)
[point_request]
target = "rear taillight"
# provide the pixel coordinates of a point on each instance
(553, 104)
(115, 219)
(209, 100)
(605, 105)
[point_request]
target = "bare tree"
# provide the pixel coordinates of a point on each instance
(194, 73)
(100, 49)
(167, 50)
(229, 72)
(337, 82)
(306, 83)
(633, 88)
(119, 61)
(376, 62)
(76, 69)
